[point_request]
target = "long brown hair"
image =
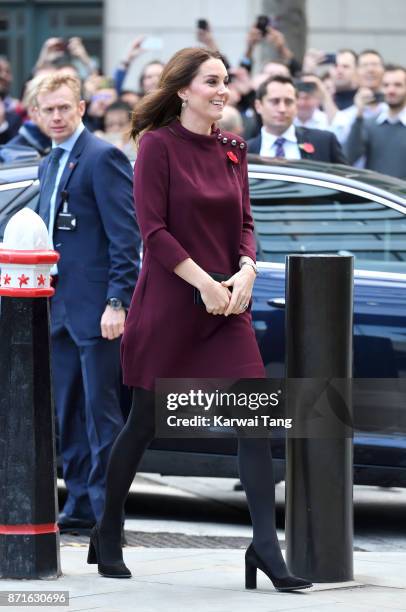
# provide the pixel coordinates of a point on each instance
(161, 106)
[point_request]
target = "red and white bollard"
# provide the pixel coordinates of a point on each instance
(29, 536)
(24, 257)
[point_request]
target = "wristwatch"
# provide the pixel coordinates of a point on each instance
(115, 303)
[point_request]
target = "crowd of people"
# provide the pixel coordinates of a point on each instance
(199, 108)
(355, 96)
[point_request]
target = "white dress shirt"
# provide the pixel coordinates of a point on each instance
(343, 120)
(291, 148)
(67, 146)
(384, 116)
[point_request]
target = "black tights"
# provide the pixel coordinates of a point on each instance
(125, 456)
(256, 474)
(255, 468)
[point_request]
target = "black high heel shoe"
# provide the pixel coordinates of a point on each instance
(113, 570)
(253, 562)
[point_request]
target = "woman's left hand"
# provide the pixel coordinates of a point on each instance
(242, 283)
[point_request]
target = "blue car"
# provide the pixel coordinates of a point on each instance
(308, 207)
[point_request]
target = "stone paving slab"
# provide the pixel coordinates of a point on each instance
(212, 581)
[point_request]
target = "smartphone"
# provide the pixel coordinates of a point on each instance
(305, 86)
(152, 43)
(262, 23)
(329, 58)
(378, 97)
(203, 24)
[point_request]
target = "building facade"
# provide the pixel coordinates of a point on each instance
(332, 24)
(108, 27)
(26, 24)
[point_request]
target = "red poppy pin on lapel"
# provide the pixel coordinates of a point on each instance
(307, 147)
(232, 157)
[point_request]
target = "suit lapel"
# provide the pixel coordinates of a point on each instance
(301, 139)
(257, 144)
(70, 167)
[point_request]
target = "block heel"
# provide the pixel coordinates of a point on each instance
(91, 555)
(250, 575)
(285, 584)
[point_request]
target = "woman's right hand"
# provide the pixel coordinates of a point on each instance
(216, 298)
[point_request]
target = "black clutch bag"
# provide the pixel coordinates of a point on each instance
(197, 298)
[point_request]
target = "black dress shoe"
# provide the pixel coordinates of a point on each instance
(286, 584)
(72, 524)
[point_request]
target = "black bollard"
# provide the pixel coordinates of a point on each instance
(29, 537)
(319, 513)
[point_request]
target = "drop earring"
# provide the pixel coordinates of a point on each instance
(184, 104)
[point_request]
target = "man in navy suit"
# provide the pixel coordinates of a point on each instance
(86, 201)
(276, 103)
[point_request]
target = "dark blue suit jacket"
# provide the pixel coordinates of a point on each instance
(100, 259)
(326, 146)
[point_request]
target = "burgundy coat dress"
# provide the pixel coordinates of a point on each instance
(191, 200)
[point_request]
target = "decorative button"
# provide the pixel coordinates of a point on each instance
(242, 145)
(225, 140)
(233, 142)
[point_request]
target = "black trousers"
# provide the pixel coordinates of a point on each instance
(86, 387)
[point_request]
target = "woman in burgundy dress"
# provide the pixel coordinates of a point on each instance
(192, 204)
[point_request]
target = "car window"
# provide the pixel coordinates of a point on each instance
(293, 217)
(12, 198)
(9, 192)
(7, 195)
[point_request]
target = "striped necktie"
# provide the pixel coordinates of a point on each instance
(279, 150)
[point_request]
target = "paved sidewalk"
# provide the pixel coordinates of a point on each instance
(212, 580)
(184, 580)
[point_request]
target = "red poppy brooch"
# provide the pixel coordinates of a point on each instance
(232, 157)
(307, 147)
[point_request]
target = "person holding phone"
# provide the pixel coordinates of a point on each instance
(195, 220)
(315, 105)
(309, 113)
(59, 51)
(382, 140)
(205, 36)
(265, 29)
(368, 100)
(151, 72)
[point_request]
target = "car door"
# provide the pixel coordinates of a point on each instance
(294, 214)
